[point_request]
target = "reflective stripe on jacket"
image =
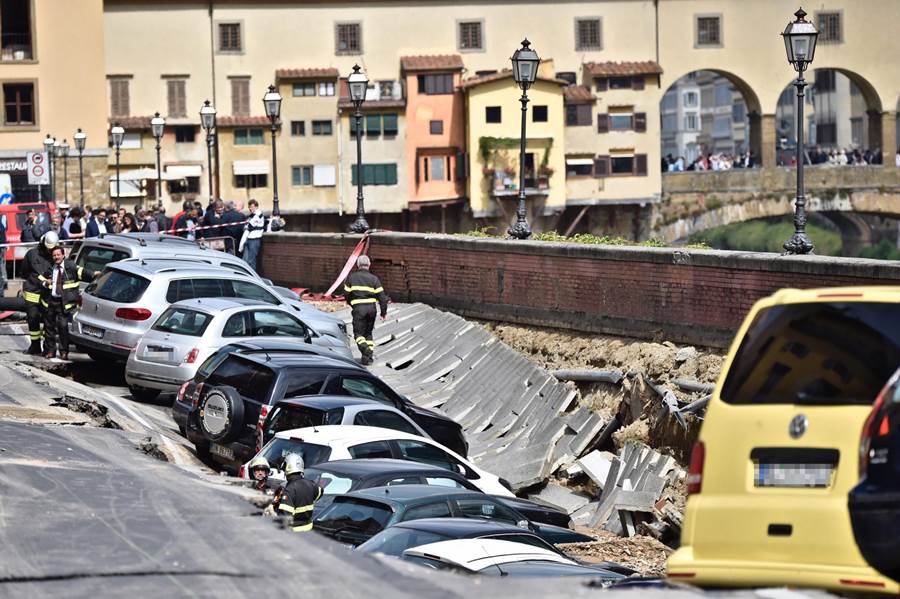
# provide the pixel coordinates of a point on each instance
(362, 287)
(297, 501)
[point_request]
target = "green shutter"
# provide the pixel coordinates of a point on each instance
(240, 137)
(295, 175)
(373, 124)
(380, 174)
(256, 136)
(390, 124)
(391, 174)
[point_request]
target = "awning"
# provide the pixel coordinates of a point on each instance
(142, 174)
(580, 161)
(251, 167)
(185, 170)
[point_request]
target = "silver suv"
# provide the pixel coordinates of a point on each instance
(120, 306)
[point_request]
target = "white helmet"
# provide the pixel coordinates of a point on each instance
(293, 464)
(50, 240)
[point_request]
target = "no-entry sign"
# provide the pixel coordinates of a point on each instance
(38, 173)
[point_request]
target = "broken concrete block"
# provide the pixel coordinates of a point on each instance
(561, 497)
(585, 515)
(596, 465)
(635, 501)
(653, 485)
(612, 480)
(685, 353)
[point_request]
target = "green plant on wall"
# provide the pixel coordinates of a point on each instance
(487, 145)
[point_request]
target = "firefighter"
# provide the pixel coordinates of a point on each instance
(58, 299)
(37, 263)
(363, 290)
(259, 473)
(299, 495)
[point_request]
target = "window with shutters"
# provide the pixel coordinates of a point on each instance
(436, 127)
(539, 114)
(493, 114)
(471, 36)
(436, 168)
(348, 38)
(250, 181)
(619, 83)
(621, 165)
(303, 89)
(298, 128)
(18, 104)
(248, 137)
(708, 30)
(436, 84)
(326, 88)
(119, 104)
(175, 91)
(588, 34)
(240, 96)
(185, 134)
(301, 176)
(621, 120)
(230, 39)
(375, 174)
(578, 115)
(829, 25)
(390, 124)
(321, 128)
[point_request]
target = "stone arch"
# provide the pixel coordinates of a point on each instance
(673, 111)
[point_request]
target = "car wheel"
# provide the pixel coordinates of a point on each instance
(221, 414)
(142, 393)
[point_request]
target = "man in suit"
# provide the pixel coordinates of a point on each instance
(97, 224)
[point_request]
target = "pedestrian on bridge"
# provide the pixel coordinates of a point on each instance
(363, 290)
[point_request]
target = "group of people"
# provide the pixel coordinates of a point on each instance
(842, 157)
(721, 161)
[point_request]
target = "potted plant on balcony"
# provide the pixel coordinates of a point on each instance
(544, 174)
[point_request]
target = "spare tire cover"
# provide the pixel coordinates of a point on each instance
(221, 414)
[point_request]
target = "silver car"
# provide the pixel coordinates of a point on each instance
(190, 331)
(121, 305)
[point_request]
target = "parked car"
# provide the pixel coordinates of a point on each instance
(15, 212)
(325, 443)
(120, 306)
(316, 410)
(396, 539)
(770, 474)
(875, 502)
(190, 331)
(343, 476)
(495, 557)
(243, 381)
(358, 516)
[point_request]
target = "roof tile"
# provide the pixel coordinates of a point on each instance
(311, 73)
(577, 94)
(615, 69)
(443, 62)
(241, 121)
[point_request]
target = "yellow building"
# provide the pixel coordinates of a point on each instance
(494, 117)
(51, 78)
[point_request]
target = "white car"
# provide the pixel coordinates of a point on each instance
(336, 442)
(488, 556)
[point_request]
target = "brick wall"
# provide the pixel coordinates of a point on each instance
(687, 296)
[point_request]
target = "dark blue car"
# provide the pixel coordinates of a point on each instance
(875, 502)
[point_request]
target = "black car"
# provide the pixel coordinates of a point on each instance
(875, 502)
(222, 409)
(357, 516)
(344, 476)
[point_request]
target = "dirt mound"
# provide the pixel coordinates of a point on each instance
(642, 553)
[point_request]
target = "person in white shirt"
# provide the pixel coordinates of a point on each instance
(257, 224)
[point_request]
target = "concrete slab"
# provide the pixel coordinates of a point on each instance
(597, 465)
(561, 497)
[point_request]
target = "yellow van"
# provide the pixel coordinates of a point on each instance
(778, 451)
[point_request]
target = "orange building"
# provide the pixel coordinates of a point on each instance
(435, 137)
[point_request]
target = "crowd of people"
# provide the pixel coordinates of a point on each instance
(721, 161)
(842, 157)
(724, 161)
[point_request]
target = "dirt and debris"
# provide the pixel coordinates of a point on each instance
(642, 553)
(150, 447)
(97, 412)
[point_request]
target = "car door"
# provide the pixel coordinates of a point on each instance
(386, 419)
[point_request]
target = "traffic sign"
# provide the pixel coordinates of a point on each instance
(38, 173)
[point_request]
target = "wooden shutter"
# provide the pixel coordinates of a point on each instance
(637, 82)
(601, 166)
(602, 84)
(584, 115)
(640, 164)
(603, 123)
(640, 122)
(176, 98)
(240, 97)
(462, 161)
(119, 99)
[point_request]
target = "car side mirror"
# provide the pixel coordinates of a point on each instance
(524, 524)
(307, 336)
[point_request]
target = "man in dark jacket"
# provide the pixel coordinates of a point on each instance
(234, 214)
(33, 228)
(2, 254)
(363, 291)
(214, 216)
(58, 298)
(97, 224)
(36, 264)
(299, 496)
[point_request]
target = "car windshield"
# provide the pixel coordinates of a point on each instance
(330, 483)
(118, 286)
(816, 353)
(354, 518)
(181, 321)
(277, 448)
(395, 540)
(95, 258)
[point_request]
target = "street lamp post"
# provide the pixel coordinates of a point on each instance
(118, 134)
(272, 103)
(800, 44)
(157, 125)
(524, 64)
(358, 83)
(208, 121)
(64, 154)
(54, 172)
(48, 148)
(80, 138)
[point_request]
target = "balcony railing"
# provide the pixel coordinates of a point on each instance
(15, 46)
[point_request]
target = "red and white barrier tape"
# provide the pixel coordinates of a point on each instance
(361, 248)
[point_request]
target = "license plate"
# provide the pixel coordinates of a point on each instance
(222, 451)
(92, 331)
(793, 475)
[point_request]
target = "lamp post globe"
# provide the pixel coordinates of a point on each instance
(208, 116)
(208, 122)
(358, 84)
(800, 46)
(118, 134)
(80, 138)
(525, 63)
(272, 105)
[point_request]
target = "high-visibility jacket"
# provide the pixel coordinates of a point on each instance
(297, 500)
(362, 287)
(37, 262)
(72, 276)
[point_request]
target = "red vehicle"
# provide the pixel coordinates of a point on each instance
(15, 221)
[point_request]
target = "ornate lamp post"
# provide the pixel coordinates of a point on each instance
(118, 134)
(272, 103)
(48, 148)
(358, 83)
(800, 44)
(64, 154)
(158, 125)
(208, 122)
(54, 172)
(80, 139)
(524, 64)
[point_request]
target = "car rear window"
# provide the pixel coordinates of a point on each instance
(816, 353)
(287, 417)
(118, 286)
(330, 483)
(181, 321)
(250, 379)
(354, 515)
(395, 540)
(95, 258)
(276, 449)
